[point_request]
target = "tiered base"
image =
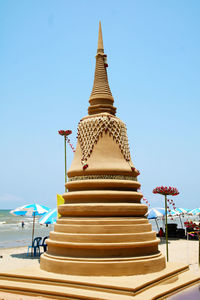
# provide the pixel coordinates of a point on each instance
(160, 285)
(102, 246)
(103, 267)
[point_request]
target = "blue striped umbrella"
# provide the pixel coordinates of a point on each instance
(176, 213)
(50, 217)
(30, 210)
(195, 212)
(173, 213)
(154, 213)
(182, 210)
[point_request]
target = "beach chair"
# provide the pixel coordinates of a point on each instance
(43, 244)
(35, 246)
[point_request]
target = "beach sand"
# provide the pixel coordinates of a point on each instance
(16, 258)
(8, 296)
(183, 251)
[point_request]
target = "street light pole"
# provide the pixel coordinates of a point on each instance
(164, 190)
(65, 161)
(65, 133)
(166, 229)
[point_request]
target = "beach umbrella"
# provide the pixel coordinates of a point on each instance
(154, 213)
(50, 217)
(30, 210)
(182, 210)
(195, 212)
(175, 213)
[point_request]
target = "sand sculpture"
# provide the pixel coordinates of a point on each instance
(102, 247)
(103, 230)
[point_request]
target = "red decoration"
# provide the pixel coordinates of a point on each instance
(105, 61)
(85, 166)
(68, 140)
(192, 224)
(135, 170)
(65, 132)
(146, 201)
(193, 229)
(164, 190)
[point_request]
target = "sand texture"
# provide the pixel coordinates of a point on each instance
(180, 251)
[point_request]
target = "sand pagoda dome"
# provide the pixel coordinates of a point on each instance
(102, 230)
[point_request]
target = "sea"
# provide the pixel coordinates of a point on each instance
(13, 235)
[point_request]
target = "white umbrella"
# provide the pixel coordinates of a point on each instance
(195, 212)
(30, 210)
(182, 210)
(175, 213)
(154, 213)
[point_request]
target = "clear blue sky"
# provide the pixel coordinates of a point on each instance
(47, 60)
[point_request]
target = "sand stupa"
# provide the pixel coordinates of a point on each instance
(102, 247)
(103, 230)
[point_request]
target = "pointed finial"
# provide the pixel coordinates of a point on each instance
(101, 99)
(100, 40)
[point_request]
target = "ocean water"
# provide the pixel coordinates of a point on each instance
(13, 235)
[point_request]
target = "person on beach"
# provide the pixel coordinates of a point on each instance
(161, 232)
(23, 224)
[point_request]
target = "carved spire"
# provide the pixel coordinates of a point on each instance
(100, 48)
(101, 99)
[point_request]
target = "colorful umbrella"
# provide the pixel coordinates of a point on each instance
(50, 217)
(195, 212)
(154, 213)
(182, 210)
(30, 210)
(175, 213)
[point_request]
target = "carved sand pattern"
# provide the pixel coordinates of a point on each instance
(90, 130)
(114, 177)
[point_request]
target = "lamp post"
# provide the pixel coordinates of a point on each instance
(164, 190)
(166, 229)
(65, 133)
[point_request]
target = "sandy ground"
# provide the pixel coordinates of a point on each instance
(14, 258)
(183, 251)
(7, 296)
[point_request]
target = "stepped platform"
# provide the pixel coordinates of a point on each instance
(36, 282)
